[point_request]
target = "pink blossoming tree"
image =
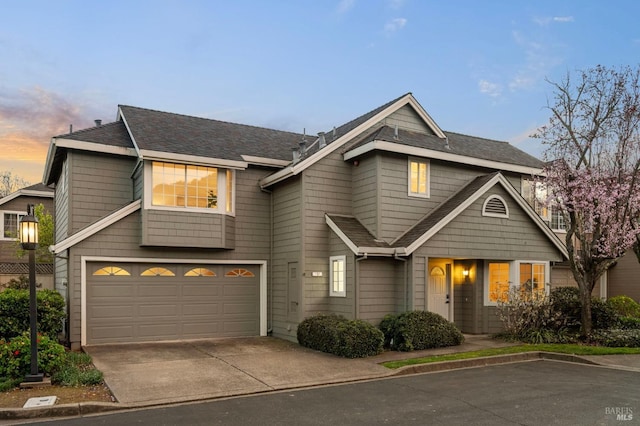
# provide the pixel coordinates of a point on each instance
(592, 149)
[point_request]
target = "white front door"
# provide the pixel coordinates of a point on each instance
(438, 292)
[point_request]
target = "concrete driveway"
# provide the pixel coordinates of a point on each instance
(160, 373)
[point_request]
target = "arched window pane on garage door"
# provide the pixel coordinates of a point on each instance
(111, 270)
(200, 272)
(239, 272)
(157, 272)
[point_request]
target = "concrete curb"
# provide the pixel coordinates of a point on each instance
(489, 360)
(85, 408)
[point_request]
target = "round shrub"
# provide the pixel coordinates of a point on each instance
(337, 335)
(629, 323)
(14, 312)
(15, 356)
(417, 330)
(625, 306)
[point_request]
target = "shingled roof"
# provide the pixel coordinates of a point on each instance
(114, 134)
(181, 134)
(456, 143)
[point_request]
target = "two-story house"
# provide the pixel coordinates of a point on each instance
(12, 208)
(176, 227)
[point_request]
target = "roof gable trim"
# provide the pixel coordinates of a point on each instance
(96, 227)
(498, 178)
(25, 193)
(192, 159)
(378, 145)
(294, 169)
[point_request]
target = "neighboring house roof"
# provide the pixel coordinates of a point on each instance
(354, 234)
(37, 190)
(23, 268)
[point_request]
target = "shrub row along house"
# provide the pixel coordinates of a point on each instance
(176, 227)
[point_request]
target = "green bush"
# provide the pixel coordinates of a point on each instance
(15, 356)
(417, 330)
(629, 323)
(14, 312)
(337, 335)
(625, 306)
(617, 338)
(566, 300)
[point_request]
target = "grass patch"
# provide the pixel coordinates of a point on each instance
(77, 370)
(548, 347)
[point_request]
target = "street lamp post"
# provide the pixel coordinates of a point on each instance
(29, 241)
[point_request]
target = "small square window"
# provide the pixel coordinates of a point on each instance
(338, 276)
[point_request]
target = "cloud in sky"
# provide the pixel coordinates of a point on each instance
(492, 89)
(546, 20)
(28, 120)
(395, 4)
(344, 6)
(394, 25)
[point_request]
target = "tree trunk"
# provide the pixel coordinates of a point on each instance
(585, 301)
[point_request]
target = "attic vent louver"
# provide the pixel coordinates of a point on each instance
(495, 206)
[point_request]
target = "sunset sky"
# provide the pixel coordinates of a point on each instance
(476, 67)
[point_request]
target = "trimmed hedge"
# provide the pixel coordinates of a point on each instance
(14, 313)
(337, 335)
(417, 330)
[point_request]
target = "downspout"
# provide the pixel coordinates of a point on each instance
(356, 285)
(405, 300)
(270, 265)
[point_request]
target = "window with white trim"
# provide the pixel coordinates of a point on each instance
(418, 177)
(192, 187)
(495, 206)
(338, 276)
(557, 220)
(535, 193)
(10, 221)
(529, 278)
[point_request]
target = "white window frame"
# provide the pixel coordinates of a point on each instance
(19, 215)
(490, 214)
(514, 276)
(221, 184)
(536, 202)
(426, 162)
(340, 292)
(559, 213)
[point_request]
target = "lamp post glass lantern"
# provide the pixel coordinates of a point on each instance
(29, 242)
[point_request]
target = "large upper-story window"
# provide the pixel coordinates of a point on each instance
(418, 178)
(557, 220)
(10, 221)
(536, 194)
(190, 186)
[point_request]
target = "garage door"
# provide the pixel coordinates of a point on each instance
(152, 302)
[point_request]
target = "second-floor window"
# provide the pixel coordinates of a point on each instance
(190, 186)
(10, 221)
(557, 220)
(536, 194)
(418, 178)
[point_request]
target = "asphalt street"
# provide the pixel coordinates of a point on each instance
(527, 393)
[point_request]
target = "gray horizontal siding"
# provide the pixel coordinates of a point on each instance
(100, 184)
(365, 192)
(472, 235)
(184, 229)
(406, 118)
